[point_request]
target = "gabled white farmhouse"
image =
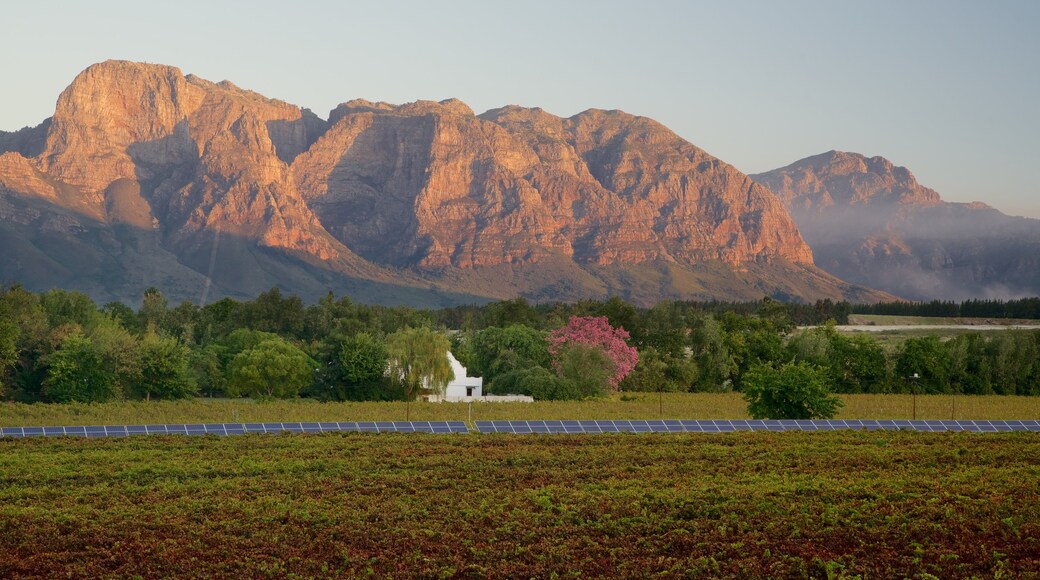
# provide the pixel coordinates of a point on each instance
(462, 387)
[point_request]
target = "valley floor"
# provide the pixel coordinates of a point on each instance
(733, 505)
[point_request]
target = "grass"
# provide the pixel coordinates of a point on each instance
(626, 406)
(890, 340)
(891, 504)
(892, 320)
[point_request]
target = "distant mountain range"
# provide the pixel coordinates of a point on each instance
(147, 177)
(870, 222)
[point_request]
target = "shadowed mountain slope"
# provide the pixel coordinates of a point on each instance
(872, 223)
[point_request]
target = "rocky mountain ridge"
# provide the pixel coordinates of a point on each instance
(838, 178)
(870, 222)
(205, 189)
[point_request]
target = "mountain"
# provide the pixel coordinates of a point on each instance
(145, 176)
(870, 222)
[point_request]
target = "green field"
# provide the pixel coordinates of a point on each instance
(918, 327)
(887, 504)
(892, 320)
(625, 406)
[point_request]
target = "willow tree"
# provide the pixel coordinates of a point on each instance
(418, 358)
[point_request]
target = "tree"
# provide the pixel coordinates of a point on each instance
(496, 350)
(271, 312)
(208, 370)
(857, 364)
(713, 356)
(8, 347)
(9, 335)
(182, 322)
(361, 368)
(595, 332)
(928, 358)
(776, 315)
(1015, 354)
(77, 373)
(752, 340)
(120, 354)
(387, 320)
(661, 372)
(98, 366)
(619, 313)
(31, 342)
(272, 369)
(649, 374)
(680, 373)
(812, 346)
(536, 382)
(238, 341)
(795, 390)
(64, 307)
(585, 369)
(509, 313)
(122, 314)
(164, 370)
(320, 319)
(418, 359)
(218, 319)
(664, 328)
(153, 309)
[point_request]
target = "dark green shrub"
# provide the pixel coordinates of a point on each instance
(795, 390)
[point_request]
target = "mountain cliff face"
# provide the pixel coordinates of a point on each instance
(517, 185)
(837, 178)
(872, 223)
(204, 151)
(205, 189)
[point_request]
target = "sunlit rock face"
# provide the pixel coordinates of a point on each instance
(153, 177)
(515, 185)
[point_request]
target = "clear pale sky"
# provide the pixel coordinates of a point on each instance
(950, 89)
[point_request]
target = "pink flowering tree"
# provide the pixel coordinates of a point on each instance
(596, 331)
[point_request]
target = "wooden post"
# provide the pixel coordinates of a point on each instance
(913, 385)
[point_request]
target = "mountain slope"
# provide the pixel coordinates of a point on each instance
(518, 200)
(872, 223)
(205, 189)
(187, 176)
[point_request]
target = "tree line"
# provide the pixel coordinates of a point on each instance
(1023, 308)
(59, 346)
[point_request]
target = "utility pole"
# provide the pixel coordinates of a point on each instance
(913, 387)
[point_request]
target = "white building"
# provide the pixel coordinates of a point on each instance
(462, 388)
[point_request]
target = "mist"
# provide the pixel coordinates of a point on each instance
(946, 251)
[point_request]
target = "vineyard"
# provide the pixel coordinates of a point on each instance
(618, 406)
(760, 504)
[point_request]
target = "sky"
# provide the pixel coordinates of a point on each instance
(948, 88)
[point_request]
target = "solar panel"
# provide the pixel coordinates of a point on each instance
(728, 426)
(223, 429)
(524, 427)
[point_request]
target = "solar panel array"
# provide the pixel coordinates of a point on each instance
(238, 428)
(601, 426)
(707, 426)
